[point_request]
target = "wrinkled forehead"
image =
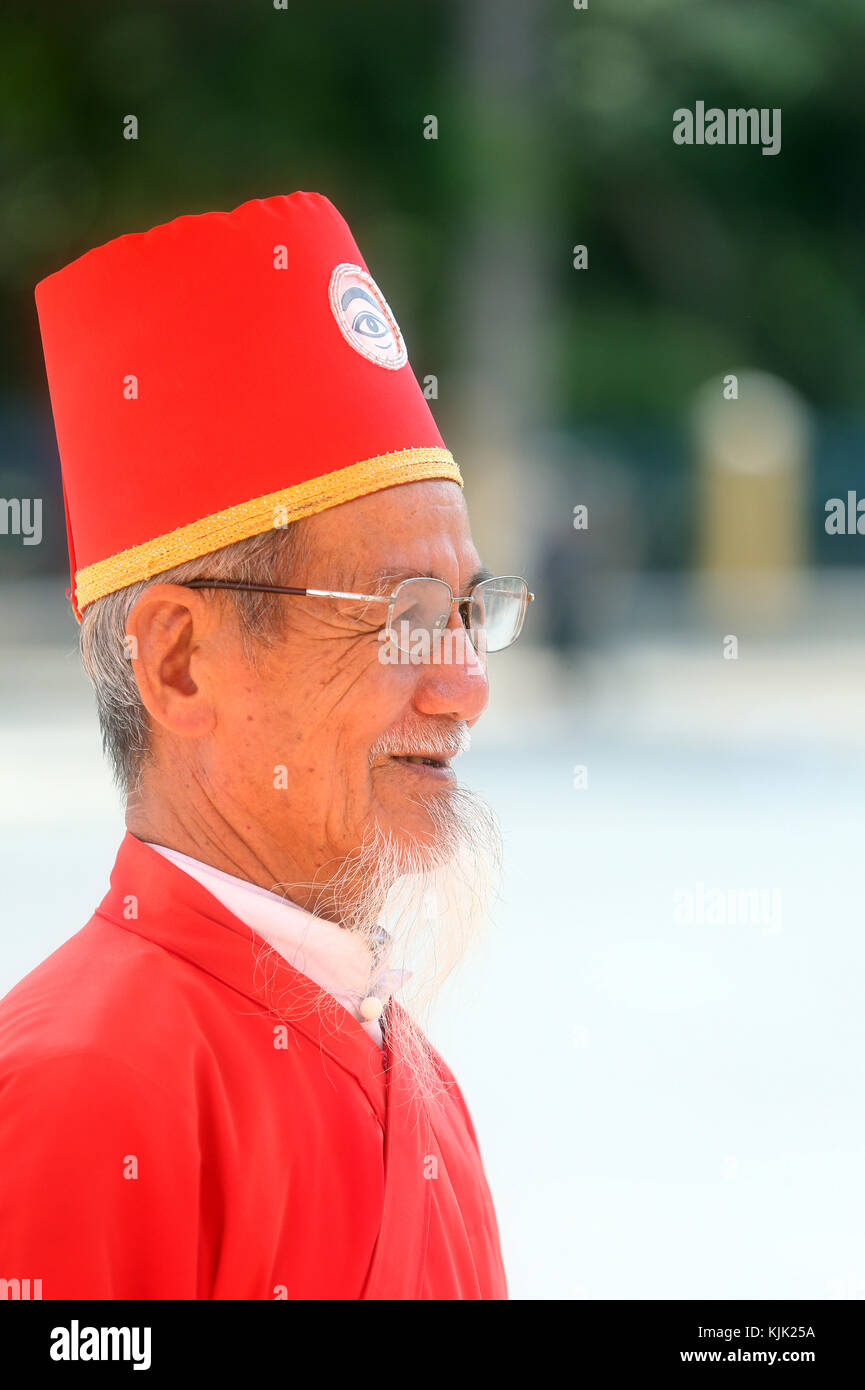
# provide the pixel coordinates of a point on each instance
(414, 528)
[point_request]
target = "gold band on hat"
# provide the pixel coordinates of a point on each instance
(259, 514)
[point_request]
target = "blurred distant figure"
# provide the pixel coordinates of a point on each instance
(562, 573)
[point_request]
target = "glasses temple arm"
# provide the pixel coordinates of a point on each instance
(280, 589)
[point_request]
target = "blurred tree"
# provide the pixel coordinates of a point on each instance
(698, 256)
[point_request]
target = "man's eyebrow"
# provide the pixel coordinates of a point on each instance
(390, 578)
(479, 576)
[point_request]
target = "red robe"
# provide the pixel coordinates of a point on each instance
(181, 1120)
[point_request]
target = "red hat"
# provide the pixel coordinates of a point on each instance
(219, 376)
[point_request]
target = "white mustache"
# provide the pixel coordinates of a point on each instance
(415, 740)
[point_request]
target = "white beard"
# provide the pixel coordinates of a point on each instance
(432, 899)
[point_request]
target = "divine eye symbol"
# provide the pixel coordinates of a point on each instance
(364, 316)
(369, 325)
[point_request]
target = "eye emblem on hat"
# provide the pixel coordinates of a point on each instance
(365, 318)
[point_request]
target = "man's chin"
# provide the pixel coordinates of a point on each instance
(452, 834)
(419, 838)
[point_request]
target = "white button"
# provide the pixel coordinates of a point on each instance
(370, 1008)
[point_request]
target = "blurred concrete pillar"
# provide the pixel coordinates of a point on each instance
(752, 456)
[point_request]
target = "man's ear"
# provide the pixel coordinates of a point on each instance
(170, 640)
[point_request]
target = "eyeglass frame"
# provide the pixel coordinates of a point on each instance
(389, 599)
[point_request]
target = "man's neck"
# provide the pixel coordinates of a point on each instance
(191, 833)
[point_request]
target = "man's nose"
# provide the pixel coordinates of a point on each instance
(454, 681)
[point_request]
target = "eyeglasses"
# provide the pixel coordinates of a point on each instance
(419, 610)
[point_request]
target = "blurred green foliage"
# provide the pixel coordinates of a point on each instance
(699, 257)
(701, 260)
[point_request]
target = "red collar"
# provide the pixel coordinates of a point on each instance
(178, 914)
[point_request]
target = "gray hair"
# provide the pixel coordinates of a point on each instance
(123, 720)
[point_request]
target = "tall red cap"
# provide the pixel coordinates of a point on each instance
(221, 375)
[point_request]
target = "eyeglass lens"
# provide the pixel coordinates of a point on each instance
(494, 614)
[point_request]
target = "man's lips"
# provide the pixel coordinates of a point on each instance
(428, 763)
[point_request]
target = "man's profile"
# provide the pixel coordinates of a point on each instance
(212, 1090)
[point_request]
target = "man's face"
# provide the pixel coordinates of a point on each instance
(292, 753)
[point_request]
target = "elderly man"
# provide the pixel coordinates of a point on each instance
(212, 1090)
